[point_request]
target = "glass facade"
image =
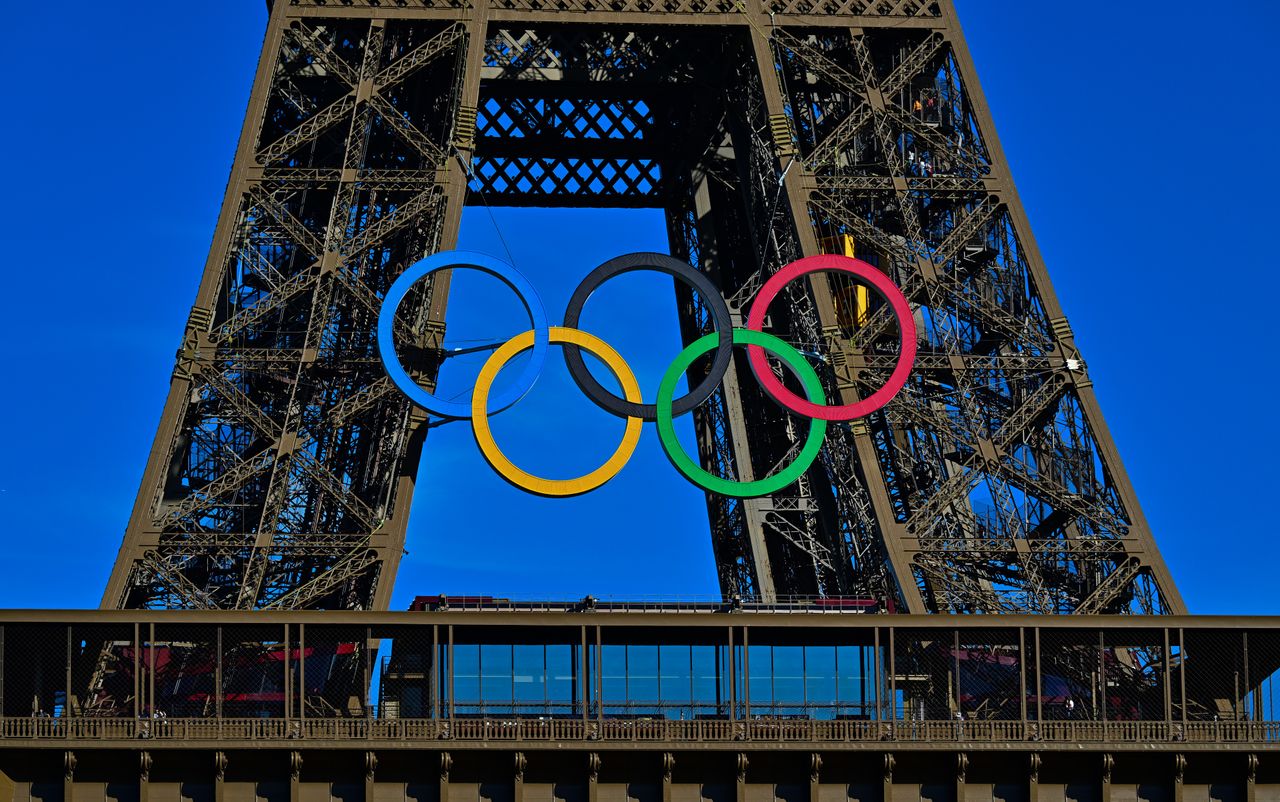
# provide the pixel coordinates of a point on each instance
(514, 679)
(644, 679)
(845, 670)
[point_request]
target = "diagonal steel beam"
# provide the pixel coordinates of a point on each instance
(913, 64)
(351, 565)
(178, 584)
(216, 491)
(420, 56)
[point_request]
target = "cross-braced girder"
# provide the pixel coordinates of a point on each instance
(766, 131)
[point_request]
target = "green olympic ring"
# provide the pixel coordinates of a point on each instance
(728, 487)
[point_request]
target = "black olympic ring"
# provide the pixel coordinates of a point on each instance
(710, 296)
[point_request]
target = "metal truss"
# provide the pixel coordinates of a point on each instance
(1000, 485)
(766, 131)
(280, 474)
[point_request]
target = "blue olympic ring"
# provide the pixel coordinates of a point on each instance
(494, 267)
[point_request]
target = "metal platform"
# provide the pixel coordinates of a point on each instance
(585, 701)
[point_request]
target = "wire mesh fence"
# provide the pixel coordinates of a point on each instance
(1069, 684)
(35, 670)
(1211, 675)
(1262, 680)
(989, 673)
(924, 675)
(329, 670)
(104, 682)
(1135, 675)
(254, 671)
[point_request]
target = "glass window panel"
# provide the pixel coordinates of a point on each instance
(560, 675)
(739, 679)
(706, 677)
(820, 680)
(529, 676)
(466, 674)
(788, 675)
(760, 679)
(676, 685)
(613, 666)
(642, 678)
(854, 684)
(495, 673)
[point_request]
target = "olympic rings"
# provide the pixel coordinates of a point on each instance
(442, 261)
(630, 405)
(707, 293)
(709, 481)
(879, 282)
(526, 481)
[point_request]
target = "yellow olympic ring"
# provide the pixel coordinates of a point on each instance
(527, 481)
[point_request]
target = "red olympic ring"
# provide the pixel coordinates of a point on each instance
(887, 290)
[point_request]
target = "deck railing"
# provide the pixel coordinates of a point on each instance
(635, 730)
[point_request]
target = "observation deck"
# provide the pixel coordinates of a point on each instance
(478, 686)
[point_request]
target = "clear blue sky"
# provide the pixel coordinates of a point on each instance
(1138, 138)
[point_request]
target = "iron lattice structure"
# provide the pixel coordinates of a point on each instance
(767, 130)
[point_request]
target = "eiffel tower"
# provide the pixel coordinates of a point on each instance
(766, 130)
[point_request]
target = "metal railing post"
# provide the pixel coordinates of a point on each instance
(732, 668)
(893, 677)
(1182, 675)
(66, 694)
(583, 671)
(288, 675)
(433, 682)
(217, 681)
(302, 673)
(150, 706)
(1039, 680)
(1022, 673)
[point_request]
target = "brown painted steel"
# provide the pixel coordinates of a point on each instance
(285, 462)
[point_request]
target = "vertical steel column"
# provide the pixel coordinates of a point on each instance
(449, 669)
(66, 694)
(583, 671)
(1102, 678)
(598, 671)
(302, 673)
(955, 660)
(217, 678)
(137, 672)
(1022, 672)
(1182, 675)
(150, 706)
(893, 678)
(433, 677)
(288, 675)
(877, 674)
(1039, 678)
(725, 668)
(738, 434)
(366, 687)
(1244, 659)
